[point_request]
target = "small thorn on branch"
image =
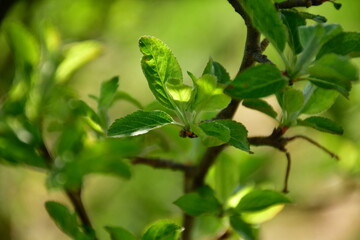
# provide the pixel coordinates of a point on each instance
(261, 58)
(264, 44)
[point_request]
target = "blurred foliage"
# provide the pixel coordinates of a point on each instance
(195, 30)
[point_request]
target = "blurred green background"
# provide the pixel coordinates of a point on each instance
(327, 193)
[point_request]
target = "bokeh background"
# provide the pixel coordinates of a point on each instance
(326, 192)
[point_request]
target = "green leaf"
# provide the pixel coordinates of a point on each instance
(238, 134)
(159, 66)
(258, 81)
(334, 72)
(346, 43)
(108, 92)
(201, 202)
(260, 199)
(261, 106)
(23, 44)
(216, 69)
(63, 218)
(292, 100)
(139, 122)
(322, 124)
(208, 96)
(119, 233)
(244, 229)
(75, 56)
(163, 230)
(266, 19)
(215, 133)
(318, 99)
(293, 20)
(312, 38)
(14, 151)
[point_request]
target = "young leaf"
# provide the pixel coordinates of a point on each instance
(260, 199)
(293, 20)
(255, 82)
(312, 38)
(163, 230)
(139, 122)
(261, 106)
(65, 220)
(208, 96)
(75, 56)
(346, 43)
(201, 202)
(318, 99)
(119, 233)
(322, 124)
(266, 19)
(108, 93)
(333, 72)
(238, 134)
(242, 228)
(292, 100)
(216, 69)
(159, 66)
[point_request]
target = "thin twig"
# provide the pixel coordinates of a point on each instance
(75, 199)
(333, 155)
(287, 173)
(162, 164)
(74, 196)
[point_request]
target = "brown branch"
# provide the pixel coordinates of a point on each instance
(209, 157)
(162, 164)
(261, 58)
(294, 3)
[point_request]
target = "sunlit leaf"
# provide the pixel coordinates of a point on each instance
(255, 82)
(75, 56)
(322, 124)
(209, 97)
(159, 66)
(139, 122)
(261, 199)
(162, 230)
